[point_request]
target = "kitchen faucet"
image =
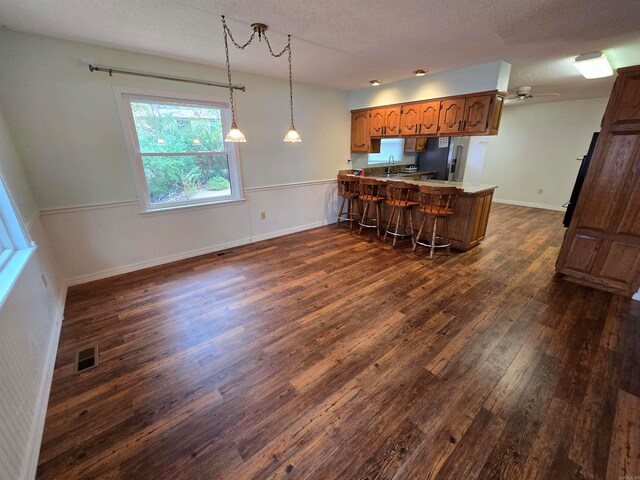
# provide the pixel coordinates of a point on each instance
(391, 162)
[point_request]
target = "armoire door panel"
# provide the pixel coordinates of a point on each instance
(621, 263)
(629, 223)
(627, 107)
(583, 253)
(605, 188)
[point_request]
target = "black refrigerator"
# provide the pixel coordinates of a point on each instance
(582, 173)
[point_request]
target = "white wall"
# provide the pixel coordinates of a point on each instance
(537, 148)
(477, 78)
(29, 325)
(64, 122)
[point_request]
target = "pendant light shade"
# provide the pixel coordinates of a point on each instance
(235, 135)
(292, 135)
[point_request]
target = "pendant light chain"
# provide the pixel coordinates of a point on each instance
(226, 51)
(287, 48)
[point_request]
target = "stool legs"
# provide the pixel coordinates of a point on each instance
(378, 218)
(415, 243)
(340, 212)
(364, 217)
(433, 237)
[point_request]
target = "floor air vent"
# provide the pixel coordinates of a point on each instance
(86, 359)
(222, 254)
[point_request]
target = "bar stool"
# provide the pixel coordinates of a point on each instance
(399, 199)
(370, 194)
(348, 187)
(436, 203)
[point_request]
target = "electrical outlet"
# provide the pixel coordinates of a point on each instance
(263, 215)
(540, 191)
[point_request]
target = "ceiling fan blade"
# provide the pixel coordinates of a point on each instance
(546, 94)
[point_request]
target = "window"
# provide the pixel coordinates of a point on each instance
(176, 144)
(388, 147)
(15, 245)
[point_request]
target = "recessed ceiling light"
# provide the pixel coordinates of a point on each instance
(420, 73)
(375, 83)
(593, 65)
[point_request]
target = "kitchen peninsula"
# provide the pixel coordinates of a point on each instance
(468, 224)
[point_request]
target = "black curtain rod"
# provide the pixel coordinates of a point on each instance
(112, 70)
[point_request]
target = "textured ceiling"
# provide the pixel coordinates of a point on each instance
(346, 43)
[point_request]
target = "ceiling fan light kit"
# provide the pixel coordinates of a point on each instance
(235, 135)
(593, 65)
(375, 83)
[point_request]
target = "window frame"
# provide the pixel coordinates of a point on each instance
(16, 246)
(124, 95)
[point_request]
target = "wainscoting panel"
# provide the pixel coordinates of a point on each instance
(30, 322)
(99, 241)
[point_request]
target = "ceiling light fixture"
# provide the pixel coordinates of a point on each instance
(235, 135)
(593, 65)
(375, 83)
(420, 73)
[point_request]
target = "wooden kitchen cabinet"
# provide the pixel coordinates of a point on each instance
(385, 122)
(476, 114)
(473, 114)
(602, 245)
(360, 138)
(415, 144)
(429, 115)
(451, 115)
(410, 119)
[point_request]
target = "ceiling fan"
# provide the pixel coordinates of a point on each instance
(524, 93)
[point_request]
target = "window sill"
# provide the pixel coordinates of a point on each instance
(178, 208)
(12, 270)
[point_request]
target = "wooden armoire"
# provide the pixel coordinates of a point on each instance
(601, 247)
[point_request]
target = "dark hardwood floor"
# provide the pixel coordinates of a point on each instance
(325, 355)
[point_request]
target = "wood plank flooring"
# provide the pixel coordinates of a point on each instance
(325, 355)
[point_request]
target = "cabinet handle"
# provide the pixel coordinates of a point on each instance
(464, 125)
(459, 125)
(418, 127)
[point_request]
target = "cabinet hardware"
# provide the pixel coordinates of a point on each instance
(459, 125)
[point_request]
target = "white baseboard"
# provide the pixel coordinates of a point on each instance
(528, 204)
(132, 267)
(37, 428)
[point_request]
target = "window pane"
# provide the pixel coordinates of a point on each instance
(171, 128)
(388, 147)
(186, 177)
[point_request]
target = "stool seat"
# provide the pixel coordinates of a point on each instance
(399, 195)
(401, 204)
(436, 210)
(371, 198)
(370, 189)
(348, 189)
(436, 203)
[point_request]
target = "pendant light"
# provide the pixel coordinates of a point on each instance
(235, 135)
(292, 135)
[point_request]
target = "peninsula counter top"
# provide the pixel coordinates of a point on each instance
(468, 224)
(469, 188)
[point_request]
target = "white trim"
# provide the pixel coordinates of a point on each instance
(126, 203)
(90, 206)
(110, 272)
(290, 185)
(527, 204)
(12, 270)
(122, 95)
(37, 428)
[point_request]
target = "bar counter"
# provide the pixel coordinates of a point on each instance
(468, 224)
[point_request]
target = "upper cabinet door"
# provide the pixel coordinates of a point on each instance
(392, 122)
(410, 119)
(429, 113)
(360, 131)
(451, 112)
(376, 122)
(476, 114)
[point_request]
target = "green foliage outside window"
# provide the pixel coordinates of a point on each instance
(185, 130)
